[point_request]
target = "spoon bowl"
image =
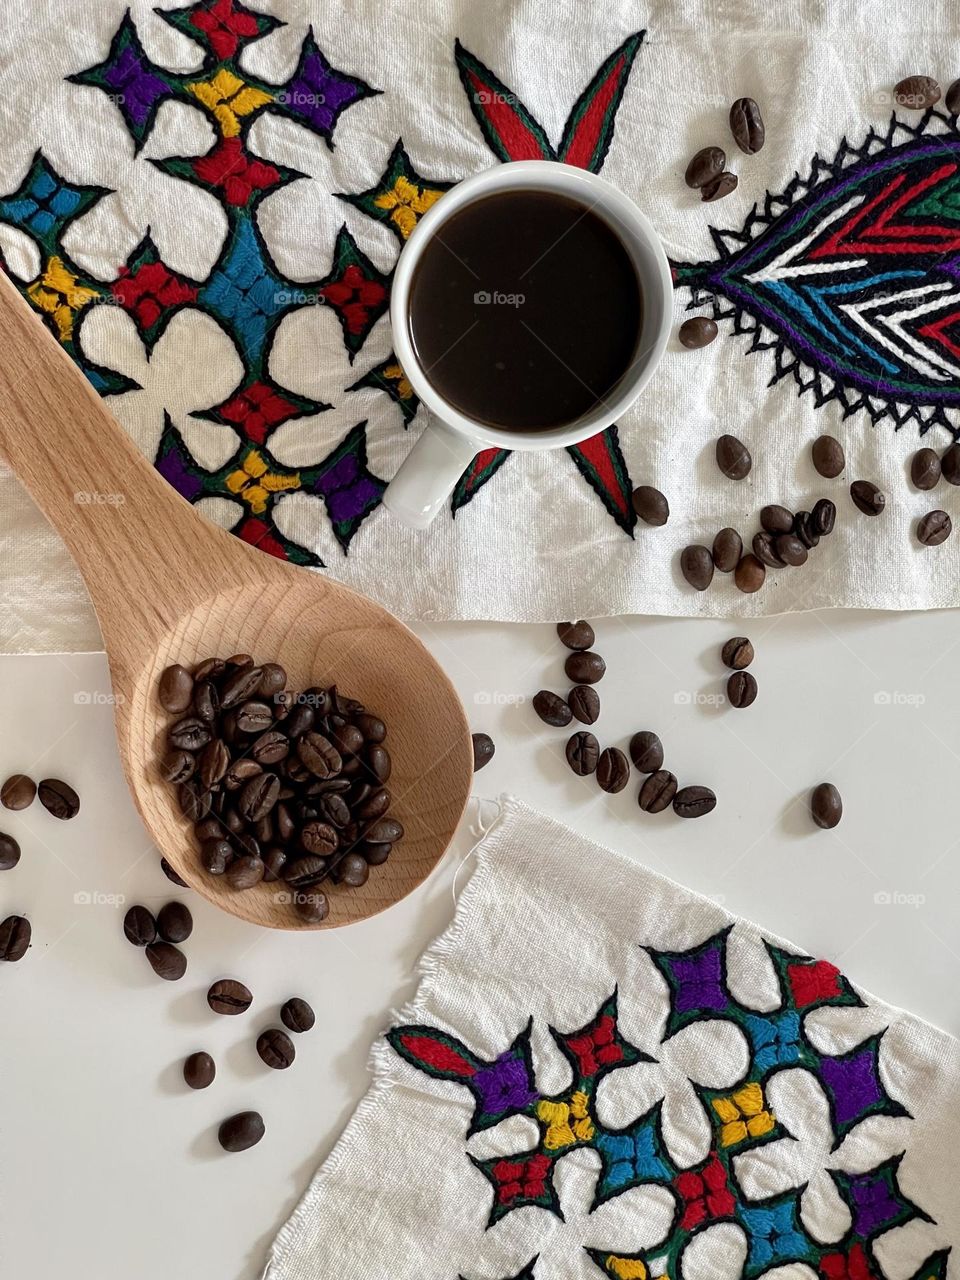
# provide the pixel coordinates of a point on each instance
(170, 587)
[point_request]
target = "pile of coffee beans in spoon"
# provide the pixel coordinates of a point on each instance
(279, 785)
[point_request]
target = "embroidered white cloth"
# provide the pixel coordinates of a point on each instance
(627, 1081)
(205, 201)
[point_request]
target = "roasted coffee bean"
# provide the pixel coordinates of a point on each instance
(375, 805)
(823, 517)
(258, 796)
(166, 961)
(583, 752)
(244, 872)
(765, 549)
(274, 861)
(18, 792)
(719, 187)
(189, 734)
(283, 818)
(270, 748)
(383, 831)
(15, 935)
(306, 871)
(803, 527)
(378, 761)
(171, 875)
(206, 701)
(375, 854)
(951, 99)
(646, 751)
(733, 458)
(229, 997)
(177, 766)
(826, 807)
(276, 1049)
(650, 505)
(273, 678)
(697, 331)
(199, 1070)
(372, 727)
(239, 685)
(552, 709)
(239, 773)
(296, 1015)
(925, 469)
(776, 519)
(584, 701)
(746, 125)
(749, 574)
(299, 721)
(209, 669)
(741, 689)
(9, 852)
(233, 822)
(209, 829)
(727, 550)
(828, 457)
(319, 838)
(254, 717)
(694, 802)
(311, 906)
(319, 755)
(335, 810)
(935, 527)
(657, 792)
(247, 844)
(585, 668)
(576, 635)
(867, 497)
(140, 928)
(791, 550)
(613, 770)
(483, 751)
(950, 465)
(214, 763)
(242, 1131)
(916, 93)
(240, 660)
(175, 689)
(58, 798)
(216, 856)
(347, 739)
(696, 565)
(353, 870)
(737, 654)
(705, 166)
(174, 922)
(194, 803)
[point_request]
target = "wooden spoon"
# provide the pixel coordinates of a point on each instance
(170, 587)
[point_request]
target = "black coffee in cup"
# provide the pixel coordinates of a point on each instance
(525, 310)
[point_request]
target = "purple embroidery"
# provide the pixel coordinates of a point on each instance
(872, 1203)
(140, 89)
(699, 982)
(853, 1082)
(504, 1086)
(319, 93)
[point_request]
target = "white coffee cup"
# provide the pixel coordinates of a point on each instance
(450, 439)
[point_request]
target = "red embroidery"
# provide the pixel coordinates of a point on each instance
(706, 1195)
(223, 25)
(439, 1055)
(150, 291)
(846, 1266)
(355, 297)
(527, 1178)
(229, 169)
(812, 982)
(597, 1047)
(256, 410)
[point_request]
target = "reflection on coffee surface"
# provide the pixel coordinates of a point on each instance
(525, 310)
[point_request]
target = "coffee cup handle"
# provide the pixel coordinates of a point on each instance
(427, 475)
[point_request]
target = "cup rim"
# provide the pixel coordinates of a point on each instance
(532, 175)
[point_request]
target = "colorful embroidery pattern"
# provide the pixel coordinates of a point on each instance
(851, 276)
(741, 1118)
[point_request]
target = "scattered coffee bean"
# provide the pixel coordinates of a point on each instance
(613, 770)
(776, 519)
(694, 802)
(696, 565)
(585, 667)
(646, 751)
(59, 799)
(733, 458)
(353, 869)
(171, 875)
(650, 505)
(18, 792)
(935, 527)
(483, 751)
(719, 187)
(229, 997)
(765, 549)
(706, 166)
(140, 928)
(916, 93)
(296, 1015)
(925, 469)
(9, 852)
(727, 550)
(741, 689)
(867, 497)
(576, 635)
(696, 331)
(657, 792)
(828, 457)
(584, 702)
(803, 527)
(583, 752)
(245, 871)
(552, 709)
(737, 654)
(199, 1070)
(746, 125)
(166, 961)
(826, 807)
(174, 922)
(791, 550)
(15, 935)
(951, 99)
(312, 906)
(276, 1048)
(175, 689)
(950, 465)
(750, 574)
(823, 517)
(240, 1132)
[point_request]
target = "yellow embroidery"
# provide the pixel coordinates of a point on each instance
(567, 1122)
(60, 295)
(627, 1268)
(254, 482)
(394, 373)
(229, 98)
(407, 203)
(743, 1115)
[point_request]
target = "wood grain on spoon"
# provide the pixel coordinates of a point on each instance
(169, 587)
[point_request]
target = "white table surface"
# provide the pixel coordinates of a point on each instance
(110, 1165)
